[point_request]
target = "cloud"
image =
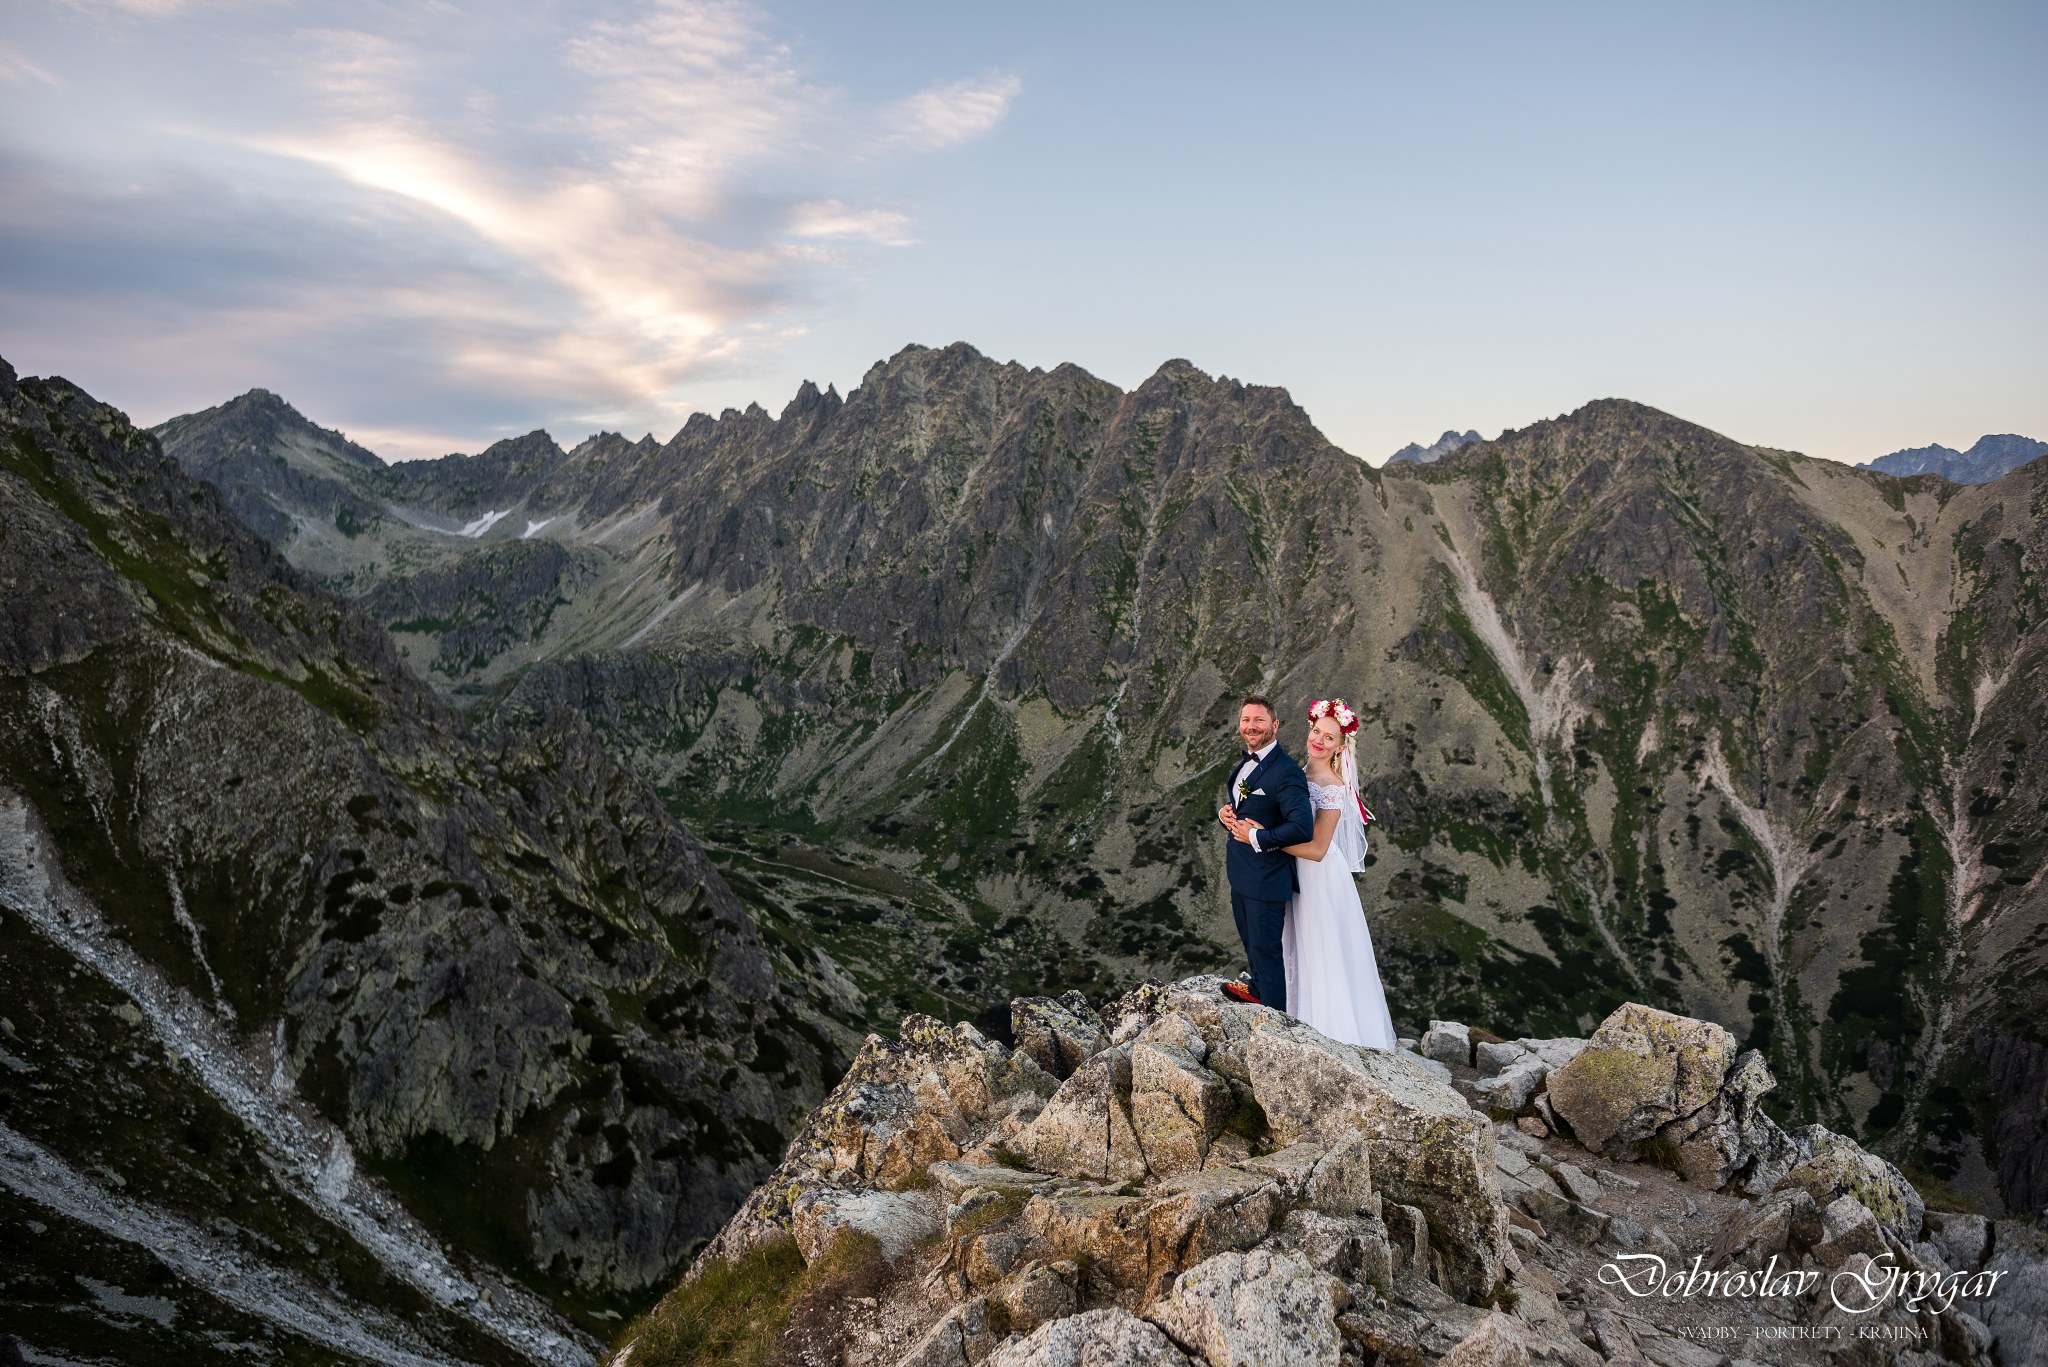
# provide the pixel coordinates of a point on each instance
(828, 218)
(435, 221)
(17, 69)
(951, 114)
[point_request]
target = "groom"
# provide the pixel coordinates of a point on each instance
(1267, 788)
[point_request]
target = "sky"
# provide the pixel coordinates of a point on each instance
(432, 225)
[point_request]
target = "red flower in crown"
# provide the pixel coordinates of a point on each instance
(1337, 708)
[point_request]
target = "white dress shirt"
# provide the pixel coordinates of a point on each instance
(1244, 771)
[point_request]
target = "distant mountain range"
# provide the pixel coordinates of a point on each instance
(1435, 451)
(1989, 458)
(547, 824)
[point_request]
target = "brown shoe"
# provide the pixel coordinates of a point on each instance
(1238, 992)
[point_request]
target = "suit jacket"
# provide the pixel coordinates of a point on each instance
(1283, 810)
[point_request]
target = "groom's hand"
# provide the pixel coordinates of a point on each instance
(1226, 815)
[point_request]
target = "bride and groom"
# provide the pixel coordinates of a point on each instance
(1295, 840)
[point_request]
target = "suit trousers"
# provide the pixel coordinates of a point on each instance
(1259, 923)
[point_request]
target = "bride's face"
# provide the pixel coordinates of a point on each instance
(1325, 740)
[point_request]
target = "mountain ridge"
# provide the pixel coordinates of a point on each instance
(1620, 673)
(235, 827)
(1988, 458)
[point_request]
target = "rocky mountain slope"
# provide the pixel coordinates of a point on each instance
(1987, 459)
(338, 1027)
(1181, 1180)
(945, 672)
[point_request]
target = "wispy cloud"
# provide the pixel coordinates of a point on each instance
(953, 113)
(828, 218)
(17, 69)
(460, 216)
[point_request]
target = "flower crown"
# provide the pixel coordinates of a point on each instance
(1336, 708)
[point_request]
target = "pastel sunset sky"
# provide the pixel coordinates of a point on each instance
(1812, 226)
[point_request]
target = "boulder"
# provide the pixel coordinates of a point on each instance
(1841, 1167)
(1643, 1069)
(1259, 1309)
(1497, 1342)
(1579, 1223)
(1135, 1244)
(1177, 1105)
(1408, 1238)
(1336, 1181)
(986, 1259)
(1223, 1025)
(961, 1338)
(1512, 1090)
(1057, 1034)
(1786, 1224)
(1576, 1183)
(1211, 1212)
(1093, 1338)
(1961, 1240)
(1847, 1228)
(1127, 1016)
(957, 1179)
(1517, 1174)
(1038, 1294)
(1554, 1052)
(897, 1220)
(1428, 1148)
(1511, 1341)
(1111, 1234)
(1448, 1042)
(1178, 1028)
(1492, 1058)
(1730, 1144)
(1358, 1249)
(1085, 1130)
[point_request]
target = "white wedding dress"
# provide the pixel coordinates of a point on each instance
(1333, 981)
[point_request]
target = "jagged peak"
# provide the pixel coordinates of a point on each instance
(259, 414)
(1178, 366)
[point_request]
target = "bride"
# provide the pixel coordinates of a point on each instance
(1333, 981)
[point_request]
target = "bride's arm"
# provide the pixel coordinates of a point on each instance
(1326, 827)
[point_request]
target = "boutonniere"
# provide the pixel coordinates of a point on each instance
(1244, 789)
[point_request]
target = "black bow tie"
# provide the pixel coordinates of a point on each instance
(1251, 757)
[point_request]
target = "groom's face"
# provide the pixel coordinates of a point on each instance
(1254, 726)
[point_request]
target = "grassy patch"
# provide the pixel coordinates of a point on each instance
(1939, 1195)
(1008, 1157)
(1661, 1152)
(989, 1214)
(737, 1312)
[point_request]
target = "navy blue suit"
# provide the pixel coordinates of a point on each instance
(1262, 880)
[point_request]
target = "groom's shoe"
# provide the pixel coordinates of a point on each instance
(1238, 992)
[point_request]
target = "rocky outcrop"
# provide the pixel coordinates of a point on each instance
(1350, 1207)
(1213, 1183)
(1649, 1082)
(1642, 1070)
